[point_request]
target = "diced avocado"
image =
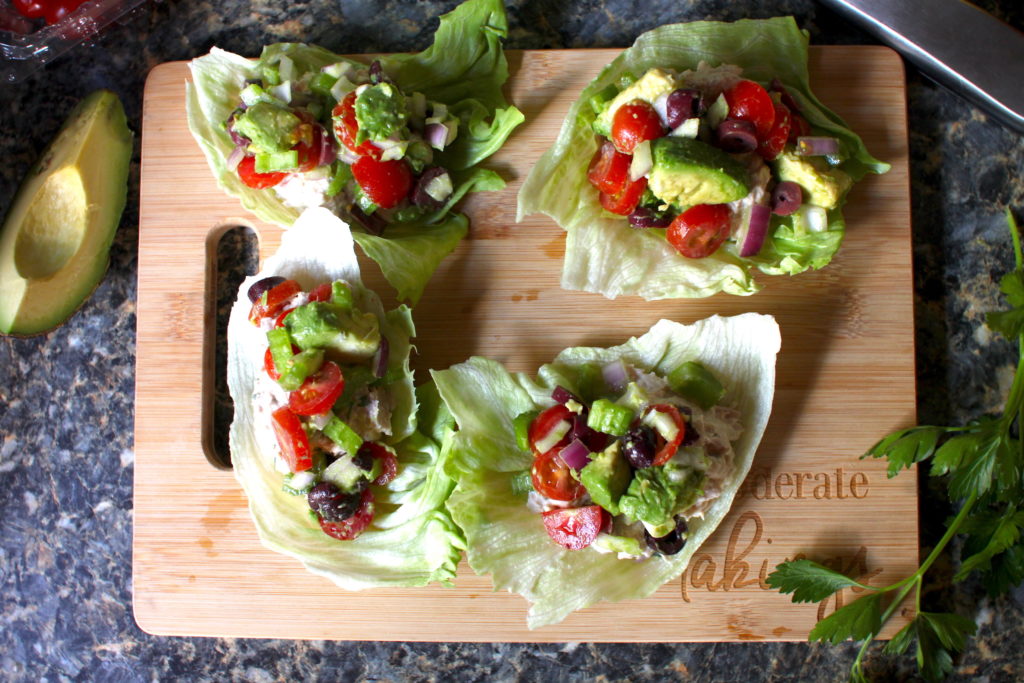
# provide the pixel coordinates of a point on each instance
(648, 88)
(55, 241)
(380, 112)
(695, 382)
(657, 494)
(351, 334)
(634, 397)
(823, 186)
(270, 127)
(687, 172)
(606, 477)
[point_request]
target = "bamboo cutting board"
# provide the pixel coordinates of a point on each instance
(845, 378)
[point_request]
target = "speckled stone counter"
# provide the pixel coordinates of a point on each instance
(66, 398)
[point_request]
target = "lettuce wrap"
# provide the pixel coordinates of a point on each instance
(412, 540)
(603, 254)
(464, 70)
(508, 540)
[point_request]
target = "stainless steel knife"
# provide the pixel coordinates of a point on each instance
(955, 43)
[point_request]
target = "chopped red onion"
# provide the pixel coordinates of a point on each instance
(346, 155)
(752, 234)
(616, 375)
(817, 146)
(576, 455)
(235, 158)
(380, 358)
(436, 135)
(327, 151)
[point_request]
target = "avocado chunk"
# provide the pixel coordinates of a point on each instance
(822, 186)
(270, 127)
(647, 88)
(606, 477)
(55, 241)
(349, 333)
(687, 172)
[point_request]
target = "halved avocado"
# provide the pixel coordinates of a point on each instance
(55, 241)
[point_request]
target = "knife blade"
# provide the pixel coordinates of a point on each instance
(956, 44)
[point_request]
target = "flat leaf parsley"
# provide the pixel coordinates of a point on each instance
(982, 464)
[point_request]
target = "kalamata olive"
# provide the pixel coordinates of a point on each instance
(363, 458)
(331, 503)
(671, 543)
(681, 105)
(690, 436)
(639, 446)
(420, 196)
(786, 198)
(370, 222)
(376, 73)
(736, 136)
(595, 441)
(257, 288)
(644, 217)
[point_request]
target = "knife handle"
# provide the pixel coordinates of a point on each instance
(956, 44)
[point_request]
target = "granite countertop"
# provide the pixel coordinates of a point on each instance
(66, 398)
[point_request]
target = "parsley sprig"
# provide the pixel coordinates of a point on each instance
(981, 464)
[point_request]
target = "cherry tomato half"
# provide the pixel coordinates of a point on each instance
(609, 169)
(274, 301)
(667, 448)
(318, 392)
(386, 183)
(388, 461)
(555, 418)
(322, 292)
(771, 145)
(748, 101)
(574, 528)
(259, 181)
(349, 528)
(346, 126)
(55, 10)
(624, 202)
(30, 9)
(633, 123)
(553, 479)
(700, 230)
(292, 439)
(798, 127)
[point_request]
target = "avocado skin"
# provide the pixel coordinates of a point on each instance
(687, 172)
(98, 123)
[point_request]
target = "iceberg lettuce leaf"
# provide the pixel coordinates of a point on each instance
(507, 540)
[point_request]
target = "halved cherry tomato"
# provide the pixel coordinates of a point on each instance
(318, 392)
(626, 200)
(557, 417)
(30, 9)
(292, 439)
(309, 158)
(552, 478)
(633, 123)
(386, 183)
(700, 230)
(748, 101)
(247, 173)
(322, 292)
(798, 127)
(388, 461)
(665, 448)
(609, 169)
(346, 126)
(574, 528)
(349, 528)
(771, 145)
(274, 301)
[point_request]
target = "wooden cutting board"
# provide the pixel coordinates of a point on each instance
(845, 378)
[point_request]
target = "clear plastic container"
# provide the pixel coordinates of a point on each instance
(26, 45)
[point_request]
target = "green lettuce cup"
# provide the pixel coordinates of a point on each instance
(495, 501)
(605, 255)
(454, 87)
(411, 539)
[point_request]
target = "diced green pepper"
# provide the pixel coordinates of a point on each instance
(609, 418)
(695, 382)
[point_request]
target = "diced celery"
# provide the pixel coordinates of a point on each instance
(609, 418)
(340, 433)
(277, 161)
(521, 425)
(695, 382)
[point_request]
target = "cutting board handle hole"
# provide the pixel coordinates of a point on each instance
(232, 254)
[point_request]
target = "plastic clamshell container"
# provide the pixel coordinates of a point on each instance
(21, 54)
